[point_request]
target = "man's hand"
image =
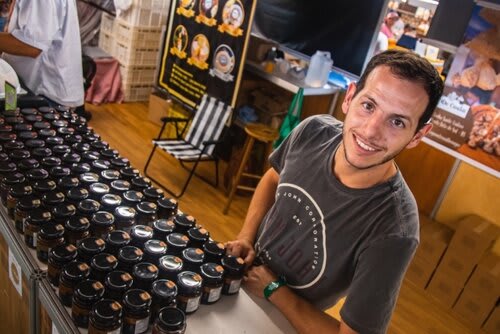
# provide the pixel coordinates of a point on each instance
(242, 248)
(257, 278)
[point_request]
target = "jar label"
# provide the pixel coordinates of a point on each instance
(141, 325)
(126, 277)
(240, 260)
(83, 267)
(214, 294)
(219, 269)
(145, 296)
(99, 242)
(152, 268)
(70, 248)
(220, 245)
(97, 286)
(59, 227)
(198, 251)
(192, 304)
(234, 286)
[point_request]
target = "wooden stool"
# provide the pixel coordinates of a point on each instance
(255, 131)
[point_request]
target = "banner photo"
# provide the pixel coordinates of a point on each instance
(204, 49)
(467, 119)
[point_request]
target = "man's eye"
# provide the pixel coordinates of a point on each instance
(398, 123)
(367, 106)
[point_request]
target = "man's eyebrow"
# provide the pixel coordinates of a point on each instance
(372, 100)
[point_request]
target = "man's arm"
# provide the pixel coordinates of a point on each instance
(261, 202)
(11, 45)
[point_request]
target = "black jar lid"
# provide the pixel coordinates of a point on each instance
(34, 143)
(39, 215)
(153, 193)
(133, 196)
(140, 183)
(19, 155)
(118, 280)
(110, 201)
(90, 156)
(54, 140)
(81, 147)
(77, 224)
(29, 203)
(98, 189)
(125, 213)
(75, 271)
(103, 219)
(14, 178)
(51, 161)
(99, 145)
(20, 190)
(46, 132)
(7, 167)
(64, 210)
(80, 168)
(141, 232)
(212, 273)
(193, 255)
(77, 194)
(101, 164)
(68, 182)
(50, 231)
(27, 135)
(45, 109)
(41, 152)
(164, 289)
(59, 172)
(233, 265)
(28, 164)
(189, 283)
(120, 185)
(130, 254)
(109, 153)
(36, 174)
(51, 116)
(178, 240)
(147, 208)
(164, 225)
(59, 123)
(65, 132)
(63, 253)
(53, 198)
(171, 319)
(129, 172)
(61, 150)
(104, 262)
(106, 312)
(3, 156)
(145, 271)
(14, 119)
(45, 185)
(90, 137)
(88, 291)
(171, 263)
(214, 248)
(92, 245)
(120, 162)
(110, 175)
(118, 238)
(4, 133)
(83, 128)
(136, 300)
(41, 125)
(184, 222)
(196, 234)
(72, 139)
(21, 127)
(88, 206)
(29, 111)
(155, 247)
(33, 118)
(13, 145)
(71, 158)
(89, 178)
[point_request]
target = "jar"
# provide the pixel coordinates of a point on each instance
(16, 192)
(132, 198)
(118, 187)
(105, 317)
(40, 187)
(189, 291)
(117, 283)
(35, 220)
(183, 223)
(193, 259)
(80, 147)
(90, 156)
(109, 202)
(101, 265)
(124, 218)
(136, 311)
(109, 175)
(13, 145)
(162, 228)
(128, 257)
(109, 153)
(71, 139)
(59, 172)
(52, 199)
(144, 274)
(66, 133)
(214, 251)
(128, 173)
(97, 190)
(116, 240)
(170, 266)
(153, 250)
(146, 213)
(99, 145)
(91, 137)
(59, 256)
(176, 243)
(167, 208)
(34, 143)
(88, 207)
(79, 168)
(45, 132)
(100, 165)
(197, 236)
(163, 294)
(101, 224)
(55, 141)
(139, 183)
(18, 155)
(51, 161)
(234, 268)
(62, 212)
(153, 194)
(170, 320)
(41, 152)
(86, 179)
(72, 274)
(66, 183)
(120, 162)
(23, 208)
(85, 294)
(89, 247)
(213, 278)
(76, 195)
(29, 111)
(140, 234)
(36, 174)
(7, 182)
(49, 237)
(7, 168)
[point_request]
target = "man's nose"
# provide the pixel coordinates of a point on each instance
(373, 125)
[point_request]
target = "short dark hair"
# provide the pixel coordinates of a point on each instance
(410, 66)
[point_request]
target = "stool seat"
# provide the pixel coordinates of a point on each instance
(254, 131)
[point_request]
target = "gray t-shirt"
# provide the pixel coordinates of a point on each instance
(331, 241)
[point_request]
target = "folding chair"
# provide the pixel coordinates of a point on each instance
(199, 142)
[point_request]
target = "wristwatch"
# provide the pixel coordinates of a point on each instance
(273, 286)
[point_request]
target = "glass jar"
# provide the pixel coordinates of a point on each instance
(170, 320)
(59, 256)
(97, 190)
(26, 165)
(89, 157)
(66, 183)
(18, 155)
(234, 268)
(170, 266)
(189, 291)
(81, 147)
(140, 234)
(213, 278)
(139, 183)
(116, 240)
(144, 274)
(72, 274)
(89, 247)
(101, 224)
(197, 236)
(23, 209)
(153, 194)
(132, 198)
(59, 172)
(62, 212)
(55, 141)
(124, 218)
(86, 179)
(85, 294)
(167, 208)
(183, 223)
(128, 257)
(162, 228)
(118, 187)
(101, 265)
(109, 202)
(76, 229)
(36, 174)
(214, 251)
(193, 259)
(146, 213)
(105, 317)
(137, 310)
(36, 219)
(49, 162)
(120, 162)
(16, 192)
(128, 173)
(99, 145)
(117, 283)
(76, 195)
(31, 144)
(163, 293)
(79, 168)
(153, 250)
(8, 181)
(109, 153)
(45, 132)
(109, 175)
(42, 186)
(49, 237)
(88, 207)
(52, 198)
(176, 243)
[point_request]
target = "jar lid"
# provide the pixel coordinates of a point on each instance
(98, 189)
(130, 254)
(164, 288)
(198, 234)
(90, 137)
(55, 140)
(193, 255)
(14, 178)
(104, 262)
(13, 145)
(140, 182)
(37, 174)
(106, 311)
(83, 128)
(88, 291)
(34, 143)
(142, 232)
(41, 152)
(153, 193)
(125, 213)
(145, 271)
(43, 186)
(33, 118)
(81, 147)
(109, 153)
(39, 215)
(103, 218)
(136, 299)
(101, 164)
(59, 172)
(164, 225)
(120, 162)
(211, 272)
(77, 224)
(147, 208)
(64, 210)
(118, 238)
(7, 167)
(27, 164)
(45, 109)
(27, 135)
(177, 240)
(50, 116)
(63, 252)
(20, 189)
(29, 111)
(129, 172)
(233, 265)
(20, 127)
(65, 132)
(111, 201)
(79, 168)
(53, 197)
(170, 263)
(76, 270)
(99, 145)
(50, 231)
(171, 319)
(45, 132)
(155, 247)
(14, 119)
(3, 156)
(89, 178)
(214, 248)
(92, 245)
(59, 123)
(68, 182)
(71, 158)
(184, 221)
(189, 282)
(60, 150)
(110, 175)
(4, 128)
(90, 156)
(88, 206)
(19, 154)
(118, 280)
(29, 203)
(72, 139)
(77, 194)
(133, 196)
(120, 185)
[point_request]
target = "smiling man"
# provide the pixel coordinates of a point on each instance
(334, 217)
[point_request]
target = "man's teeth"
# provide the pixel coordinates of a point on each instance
(364, 146)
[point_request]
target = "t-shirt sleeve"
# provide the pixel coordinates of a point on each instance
(377, 279)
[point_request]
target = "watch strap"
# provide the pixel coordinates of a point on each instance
(273, 286)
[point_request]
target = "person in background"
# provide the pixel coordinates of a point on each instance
(333, 216)
(42, 44)
(390, 19)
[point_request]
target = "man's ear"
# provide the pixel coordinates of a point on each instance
(349, 95)
(419, 135)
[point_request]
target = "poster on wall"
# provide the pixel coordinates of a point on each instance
(204, 49)
(467, 119)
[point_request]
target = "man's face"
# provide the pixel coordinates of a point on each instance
(382, 118)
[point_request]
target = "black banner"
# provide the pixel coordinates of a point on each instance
(204, 49)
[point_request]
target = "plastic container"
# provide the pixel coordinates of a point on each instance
(319, 68)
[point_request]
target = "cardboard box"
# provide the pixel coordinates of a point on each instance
(419, 272)
(473, 307)
(444, 288)
(492, 325)
(158, 107)
(485, 280)
(457, 265)
(434, 239)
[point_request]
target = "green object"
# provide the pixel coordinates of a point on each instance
(273, 286)
(10, 96)
(292, 118)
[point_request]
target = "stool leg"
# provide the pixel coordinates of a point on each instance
(269, 149)
(246, 154)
